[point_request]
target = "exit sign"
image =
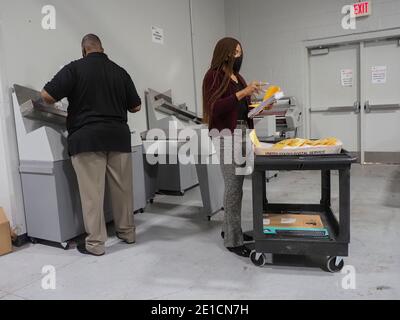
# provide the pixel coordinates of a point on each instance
(362, 9)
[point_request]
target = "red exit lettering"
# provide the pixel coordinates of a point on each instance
(362, 9)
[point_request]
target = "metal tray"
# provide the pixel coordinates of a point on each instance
(305, 161)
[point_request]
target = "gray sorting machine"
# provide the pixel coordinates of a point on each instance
(140, 196)
(280, 122)
(53, 210)
(173, 177)
(203, 170)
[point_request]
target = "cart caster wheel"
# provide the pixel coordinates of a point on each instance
(334, 264)
(33, 240)
(65, 246)
(151, 201)
(258, 259)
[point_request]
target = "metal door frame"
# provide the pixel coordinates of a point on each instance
(366, 101)
(360, 38)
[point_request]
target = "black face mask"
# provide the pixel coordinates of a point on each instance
(237, 65)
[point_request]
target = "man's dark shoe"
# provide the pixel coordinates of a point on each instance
(126, 241)
(82, 249)
(246, 237)
(241, 251)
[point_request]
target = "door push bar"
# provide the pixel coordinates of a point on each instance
(356, 108)
(380, 107)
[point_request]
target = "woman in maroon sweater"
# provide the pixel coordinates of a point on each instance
(226, 98)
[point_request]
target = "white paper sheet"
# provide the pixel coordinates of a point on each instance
(347, 77)
(266, 103)
(379, 74)
(157, 35)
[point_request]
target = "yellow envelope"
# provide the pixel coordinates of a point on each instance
(254, 139)
(271, 91)
(268, 94)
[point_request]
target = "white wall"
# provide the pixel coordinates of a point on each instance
(273, 34)
(208, 28)
(31, 56)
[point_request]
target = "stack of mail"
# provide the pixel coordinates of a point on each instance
(272, 95)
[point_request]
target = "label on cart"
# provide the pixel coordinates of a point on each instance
(288, 221)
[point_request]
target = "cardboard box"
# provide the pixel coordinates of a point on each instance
(294, 224)
(266, 149)
(5, 234)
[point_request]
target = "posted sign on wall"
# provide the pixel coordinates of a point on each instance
(347, 77)
(379, 74)
(362, 9)
(157, 35)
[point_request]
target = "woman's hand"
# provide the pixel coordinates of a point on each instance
(252, 89)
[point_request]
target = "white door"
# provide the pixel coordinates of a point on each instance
(335, 95)
(382, 102)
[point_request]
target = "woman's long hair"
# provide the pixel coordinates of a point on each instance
(223, 61)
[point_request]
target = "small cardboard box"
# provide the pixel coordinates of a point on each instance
(290, 223)
(5, 234)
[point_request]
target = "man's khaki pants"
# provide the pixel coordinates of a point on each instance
(93, 169)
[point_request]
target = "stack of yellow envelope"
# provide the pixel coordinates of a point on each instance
(272, 90)
(297, 143)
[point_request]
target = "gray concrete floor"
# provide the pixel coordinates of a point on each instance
(181, 256)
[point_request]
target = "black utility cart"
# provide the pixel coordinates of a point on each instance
(334, 247)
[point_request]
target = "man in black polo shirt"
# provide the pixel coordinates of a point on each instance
(100, 93)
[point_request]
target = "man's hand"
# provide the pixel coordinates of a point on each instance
(136, 109)
(47, 98)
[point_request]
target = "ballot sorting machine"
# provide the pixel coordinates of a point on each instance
(174, 177)
(282, 121)
(53, 210)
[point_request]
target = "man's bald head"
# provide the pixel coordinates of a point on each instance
(91, 43)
